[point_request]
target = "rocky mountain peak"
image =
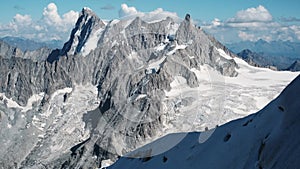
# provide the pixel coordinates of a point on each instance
(188, 17)
(246, 52)
(87, 11)
(87, 27)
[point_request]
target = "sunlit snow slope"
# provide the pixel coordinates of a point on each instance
(268, 139)
(219, 99)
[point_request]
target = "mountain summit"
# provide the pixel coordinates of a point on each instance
(85, 35)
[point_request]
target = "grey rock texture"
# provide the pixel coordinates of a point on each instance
(7, 51)
(132, 66)
(21, 78)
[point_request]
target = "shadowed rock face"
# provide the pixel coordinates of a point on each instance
(86, 25)
(132, 66)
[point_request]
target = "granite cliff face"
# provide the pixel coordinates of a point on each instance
(102, 94)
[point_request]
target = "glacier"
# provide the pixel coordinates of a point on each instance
(267, 139)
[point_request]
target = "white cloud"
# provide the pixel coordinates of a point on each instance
(22, 19)
(296, 30)
(252, 24)
(51, 15)
(158, 14)
(70, 17)
(245, 36)
(51, 26)
(258, 14)
(253, 36)
(125, 10)
(255, 18)
(216, 22)
(52, 18)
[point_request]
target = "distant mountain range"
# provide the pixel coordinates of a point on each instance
(279, 55)
(273, 48)
(30, 45)
(273, 62)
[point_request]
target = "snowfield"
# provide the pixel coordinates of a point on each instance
(220, 99)
(268, 139)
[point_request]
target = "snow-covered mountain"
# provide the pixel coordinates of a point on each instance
(268, 139)
(115, 86)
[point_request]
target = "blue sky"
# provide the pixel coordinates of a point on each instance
(228, 20)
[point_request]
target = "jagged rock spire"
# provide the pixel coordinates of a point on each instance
(87, 24)
(188, 17)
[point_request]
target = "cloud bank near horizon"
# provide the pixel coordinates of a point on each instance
(253, 24)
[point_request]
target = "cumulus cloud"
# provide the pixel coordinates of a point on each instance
(70, 17)
(296, 30)
(253, 24)
(22, 19)
(255, 18)
(51, 17)
(258, 14)
(127, 12)
(51, 26)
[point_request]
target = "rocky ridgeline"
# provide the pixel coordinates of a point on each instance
(132, 65)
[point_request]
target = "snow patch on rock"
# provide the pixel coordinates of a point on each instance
(92, 42)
